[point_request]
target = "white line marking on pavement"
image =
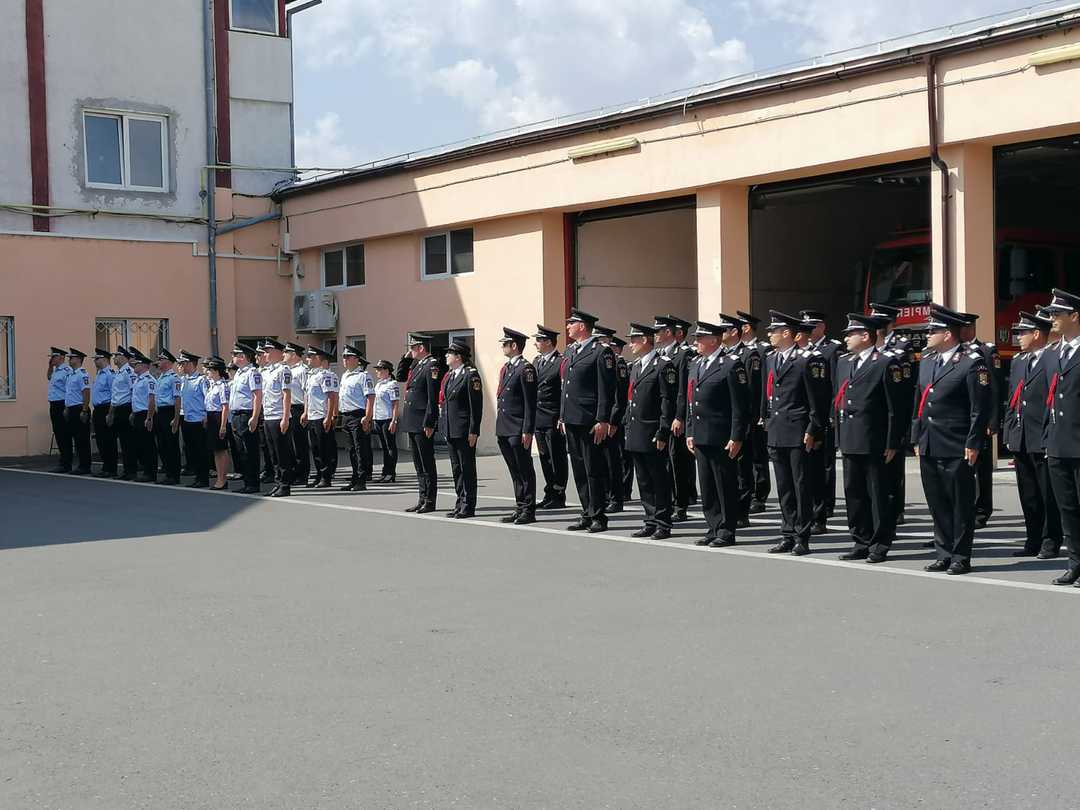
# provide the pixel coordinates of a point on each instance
(731, 552)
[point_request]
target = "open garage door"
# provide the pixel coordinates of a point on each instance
(1037, 227)
(836, 242)
(634, 261)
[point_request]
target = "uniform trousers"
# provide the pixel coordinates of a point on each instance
(281, 450)
(359, 446)
(719, 487)
(80, 435)
(613, 450)
(58, 417)
(105, 438)
(323, 445)
(388, 443)
(628, 473)
(423, 457)
(1042, 521)
(793, 467)
(463, 467)
(145, 447)
(522, 473)
(168, 443)
(1065, 479)
(744, 469)
(895, 474)
(682, 472)
(759, 457)
(267, 470)
(551, 446)
(871, 517)
(949, 485)
(247, 447)
(984, 480)
(195, 451)
(822, 477)
(654, 486)
(589, 464)
(299, 438)
(124, 431)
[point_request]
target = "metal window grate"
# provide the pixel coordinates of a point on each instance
(7, 357)
(148, 335)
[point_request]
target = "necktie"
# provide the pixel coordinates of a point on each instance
(1066, 355)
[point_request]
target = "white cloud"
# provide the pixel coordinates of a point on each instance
(323, 145)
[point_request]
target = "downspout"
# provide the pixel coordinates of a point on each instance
(210, 80)
(936, 159)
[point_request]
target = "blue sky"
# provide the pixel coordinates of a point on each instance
(375, 78)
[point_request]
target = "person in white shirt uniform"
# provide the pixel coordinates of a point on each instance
(320, 411)
(387, 405)
(277, 416)
(245, 411)
(100, 400)
(356, 401)
(216, 403)
(298, 371)
(119, 416)
(77, 409)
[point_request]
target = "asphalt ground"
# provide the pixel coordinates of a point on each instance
(171, 648)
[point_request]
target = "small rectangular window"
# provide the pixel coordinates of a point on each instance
(126, 151)
(358, 342)
(255, 15)
(104, 150)
(446, 254)
(344, 267)
(7, 357)
(461, 260)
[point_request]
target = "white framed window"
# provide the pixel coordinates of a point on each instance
(7, 357)
(126, 151)
(256, 16)
(148, 335)
(343, 267)
(359, 342)
(446, 254)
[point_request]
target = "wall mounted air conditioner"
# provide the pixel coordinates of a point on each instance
(315, 311)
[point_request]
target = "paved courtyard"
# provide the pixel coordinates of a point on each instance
(170, 648)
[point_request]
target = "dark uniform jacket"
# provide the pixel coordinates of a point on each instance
(651, 404)
(1063, 419)
(548, 390)
(718, 400)
(622, 386)
(588, 390)
(870, 405)
(1024, 426)
(795, 399)
(904, 351)
(990, 355)
(462, 406)
(516, 399)
(420, 408)
(954, 405)
(680, 356)
(753, 358)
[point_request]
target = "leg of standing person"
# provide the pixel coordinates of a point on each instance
(423, 451)
(1031, 502)
(105, 438)
(785, 493)
(58, 418)
(126, 435)
(984, 483)
(367, 460)
(301, 453)
(590, 475)
(802, 470)
(454, 450)
(350, 424)
(1051, 533)
(80, 436)
(860, 510)
(760, 458)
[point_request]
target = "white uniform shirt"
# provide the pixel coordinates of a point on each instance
(356, 387)
(321, 383)
(386, 394)
(298, 384)
(76, 382)
(217, 395)
(247, 381)
(277, 379)
(122, 382)
(58, 381)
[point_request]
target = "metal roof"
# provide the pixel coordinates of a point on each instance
(970, 34)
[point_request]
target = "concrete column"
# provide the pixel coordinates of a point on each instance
(971, 233)
(723, 250)
(553, 262)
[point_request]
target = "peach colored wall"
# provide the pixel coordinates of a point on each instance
(723, 250)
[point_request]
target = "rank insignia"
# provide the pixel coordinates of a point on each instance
(435, 373)
(997, 361)
(816, 372)
(755, 362)
(476, 384)
(742, 377)
(529, 375)
(897, 374)
(671, 376)
(984, 377)
(609, 361)
(907, 372)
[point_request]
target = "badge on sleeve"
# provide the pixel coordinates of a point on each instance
(816, 371)
(897, 374)
(435, 373)
(984, 377)
(476, 384)
(256, 378)
(755, 362)
(150, 386)
(624, 372)
(907, 371)
(530, 375)
(286, 376)
(671, 376)
(609, 361)
(997, 360)
(741, 376)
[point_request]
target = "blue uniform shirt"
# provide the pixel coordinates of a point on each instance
(167, 389)
(217, 395)
(122, 381)
(356, 387)
(193, 397)
(247, 381)
(141, 391)
(321, 383)
(77, 382)
(101, 392)
(58, 381)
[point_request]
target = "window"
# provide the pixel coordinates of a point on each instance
(344, 267)
(126, 151)
(359, 342)
(901, 276)
(446, 254)
(7, 357)
(255, 15)
(148, 335)
(1024, 270)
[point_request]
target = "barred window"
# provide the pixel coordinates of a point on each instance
(148, 335)
(7, 357)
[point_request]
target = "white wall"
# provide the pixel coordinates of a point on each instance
(14, 127)
(260, 86)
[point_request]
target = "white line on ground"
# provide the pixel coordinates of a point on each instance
(731, 552)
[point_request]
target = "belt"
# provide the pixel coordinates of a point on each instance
(248, 412)
(167, 408)
(351, 413)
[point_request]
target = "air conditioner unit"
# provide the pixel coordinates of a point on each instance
(315, 311)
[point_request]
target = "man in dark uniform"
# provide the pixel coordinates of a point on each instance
(1063, 424)
(514, 424)
(588, 399)
(419, 415)
(889, 340)
(757, 484)
(681, 459)
(830, 348)
(461, 409)
(949, 433)
(869, 406)
(1024, 433)
(651, 397)
(795, 407)
(550, 442)
(613, 444)
(984, 470)
(717, 421)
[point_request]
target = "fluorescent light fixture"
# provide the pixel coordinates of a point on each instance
(1051, 56)
(603, 147)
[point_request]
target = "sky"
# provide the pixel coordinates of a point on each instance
(377, 78)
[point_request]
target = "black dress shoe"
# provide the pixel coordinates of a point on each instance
(1023, 552)
(720, 542)
(525, 518)
(414, 508)
(598, 526)
(1068, 578)
(614, 508)
(468, 513)
(580, 526)
(756, 507)
(783, 547)
(704, 541)
(937, 566)
(509, 518)
(103, 474)
(876, 558)
(1047, 554)
(819, 528)
(980, 522)
(281, 492)
(80, 471)
(347, 488)
(266, 478)
(800, 550)
(661, 534)
(452, 513)
(427, 507)
(643, 532)
(145, 479)
(552, 503)
(60, 468)
(198, 485)
(856, 554)
(678, 516)
(388, 479)
(742, 523)
(959, 567)
(250, 491)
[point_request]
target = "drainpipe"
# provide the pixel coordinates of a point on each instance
(936, 159)
(209, 73)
